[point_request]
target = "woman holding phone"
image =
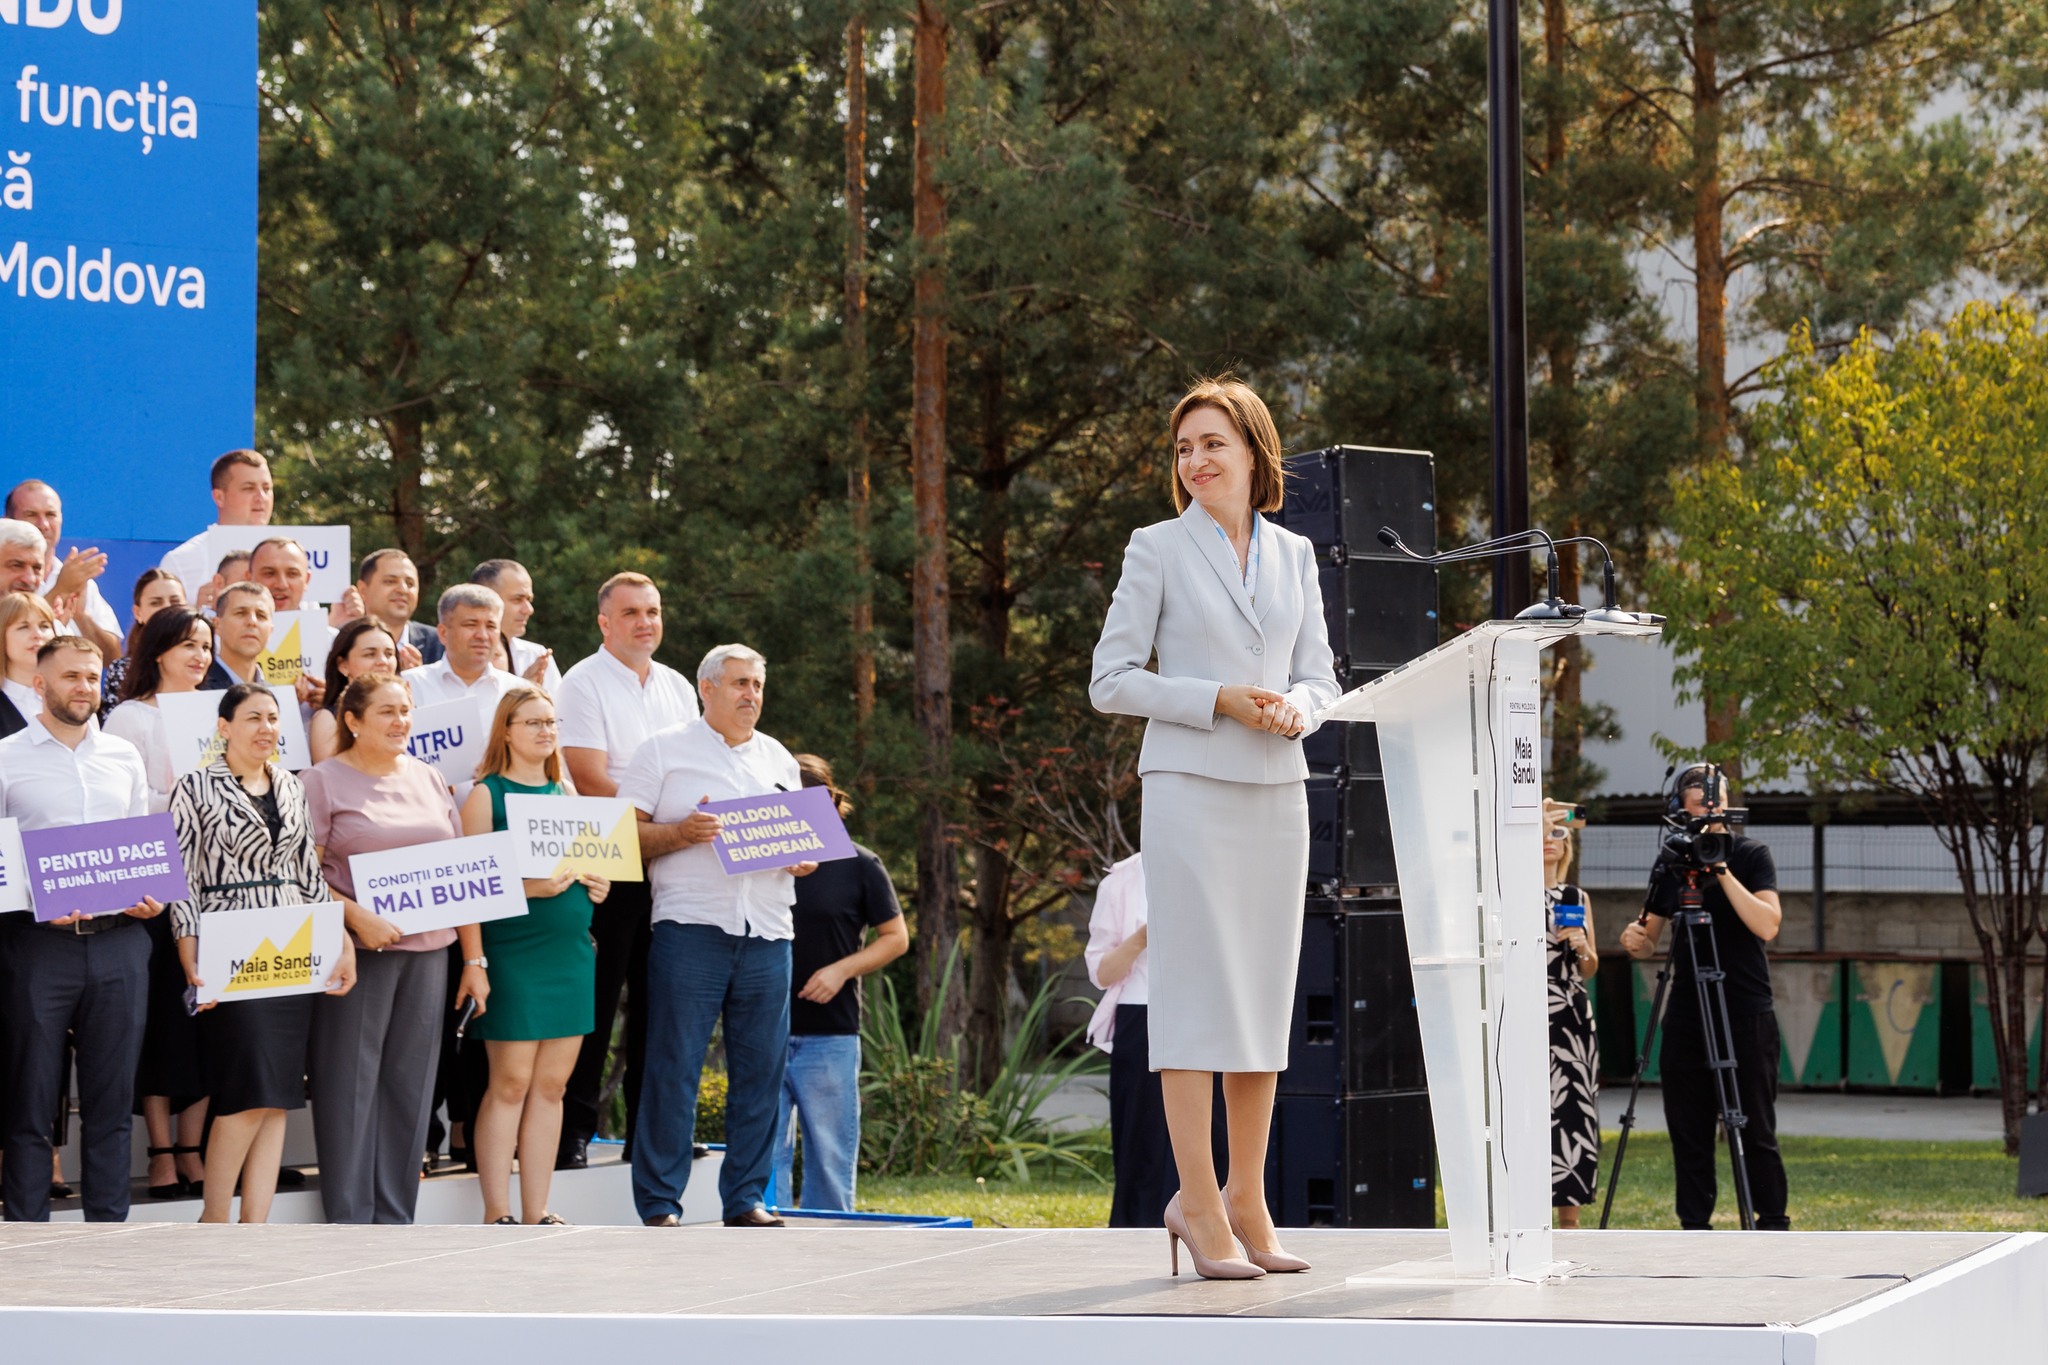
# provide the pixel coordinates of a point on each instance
(246, 836)
(543, 972)
(1232, 606)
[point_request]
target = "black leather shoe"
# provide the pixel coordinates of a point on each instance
(290, 1178)
(755, 1218)
(666, 1220)
(574, 1157)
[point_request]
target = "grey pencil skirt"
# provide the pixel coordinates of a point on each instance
(1226, 868)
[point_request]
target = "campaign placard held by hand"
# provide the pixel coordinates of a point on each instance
(450, 737)
(299, 641)
(13, 869)
(441, 885)
(781, 829)
(593, 836)
(190, 725)
(280, 950)
(329, 570)
(101, 868)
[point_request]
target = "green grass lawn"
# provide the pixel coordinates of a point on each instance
(1836, 1184)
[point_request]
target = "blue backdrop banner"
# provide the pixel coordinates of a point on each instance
(127, 255)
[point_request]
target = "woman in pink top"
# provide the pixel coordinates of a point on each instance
(375, 1050)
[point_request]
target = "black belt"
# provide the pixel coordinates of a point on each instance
(85, 928)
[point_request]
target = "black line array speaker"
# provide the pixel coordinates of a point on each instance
(1380, 612)
(1346, 750)
(1350, 845)
(1339, 497)
(1362, 1161)
(1355, 1029)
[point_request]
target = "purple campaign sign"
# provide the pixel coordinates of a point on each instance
(105, 867)
(781, 829)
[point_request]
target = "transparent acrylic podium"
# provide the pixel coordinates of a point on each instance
(1460, 738)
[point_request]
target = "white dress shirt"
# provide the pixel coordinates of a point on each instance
(92, 604)
(671, 773)
(603, 705)
(437, 682)
(1120, 908)
(524, 652)
(44, 783)
(191, 565)
(142, 724)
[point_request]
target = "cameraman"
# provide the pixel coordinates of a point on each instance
(1740, 895)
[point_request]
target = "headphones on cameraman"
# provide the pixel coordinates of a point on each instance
(1708, 777)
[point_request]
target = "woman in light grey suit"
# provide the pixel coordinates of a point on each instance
(1233, 607)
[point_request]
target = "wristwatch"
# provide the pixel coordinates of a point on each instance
(476, 962)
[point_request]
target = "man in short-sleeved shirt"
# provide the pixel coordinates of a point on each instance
(721, 945)
(242, 496)
(606, 707)
(79, 981)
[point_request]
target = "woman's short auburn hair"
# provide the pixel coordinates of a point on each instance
(1247, 412)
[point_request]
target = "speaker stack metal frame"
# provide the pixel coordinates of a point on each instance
(1352, 1143)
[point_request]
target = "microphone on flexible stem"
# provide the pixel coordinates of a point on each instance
(1552, 608)
(1609, 611)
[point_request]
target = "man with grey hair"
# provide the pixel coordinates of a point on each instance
(22, 549)
(721, 945)
(469, 619)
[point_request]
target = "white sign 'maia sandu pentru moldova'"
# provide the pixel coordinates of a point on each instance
(1518, 750)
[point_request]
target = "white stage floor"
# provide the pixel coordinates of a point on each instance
(172, 1293)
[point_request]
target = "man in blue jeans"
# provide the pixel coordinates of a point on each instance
(721, 945)
(835, 907)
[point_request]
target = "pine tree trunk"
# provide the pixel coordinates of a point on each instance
(858, 486)
(938, 873)
(406, 436)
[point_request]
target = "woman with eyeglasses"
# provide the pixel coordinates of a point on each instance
(1574, 1046)
(543, 973)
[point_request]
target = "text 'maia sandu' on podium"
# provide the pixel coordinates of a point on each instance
(1460, 734)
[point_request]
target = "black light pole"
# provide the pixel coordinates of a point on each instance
(1510, 349)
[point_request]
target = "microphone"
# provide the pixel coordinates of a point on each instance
(1609, 611)
(1552, 608)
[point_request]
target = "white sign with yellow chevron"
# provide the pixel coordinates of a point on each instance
(256, 954)
(594, 836)
(299, 641)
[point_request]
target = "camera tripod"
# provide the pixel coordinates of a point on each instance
(1710, 989)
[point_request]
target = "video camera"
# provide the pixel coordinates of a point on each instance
(1688, 845)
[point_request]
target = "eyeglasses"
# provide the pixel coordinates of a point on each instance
(539, 726)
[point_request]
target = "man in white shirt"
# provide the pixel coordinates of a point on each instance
(469, 617)
(241, 632)
(73, 978)
(721, 945)
(531, 660)
(242, 496)
(22, 549)
(71, 586)
(607, 706)
(388, 582)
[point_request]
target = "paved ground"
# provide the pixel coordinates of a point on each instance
(1917, 1118)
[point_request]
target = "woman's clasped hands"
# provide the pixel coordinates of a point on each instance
(1260, 708)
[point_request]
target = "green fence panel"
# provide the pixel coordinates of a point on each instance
(1895, 1025)
(1807, 997)
(1983, 1055)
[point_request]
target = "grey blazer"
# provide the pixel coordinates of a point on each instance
(1181, 596)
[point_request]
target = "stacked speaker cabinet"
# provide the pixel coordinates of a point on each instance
(1352, 1144)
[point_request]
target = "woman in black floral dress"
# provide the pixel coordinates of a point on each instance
(1574, 1046)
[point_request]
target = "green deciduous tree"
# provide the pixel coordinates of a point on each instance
(1876, 579)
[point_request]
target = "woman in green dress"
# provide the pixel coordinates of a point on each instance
(543, 968)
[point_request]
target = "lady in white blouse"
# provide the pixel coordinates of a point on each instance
(26, 625)
(1232, 606)
(172, 656)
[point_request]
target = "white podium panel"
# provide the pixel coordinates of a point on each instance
(1461, 748)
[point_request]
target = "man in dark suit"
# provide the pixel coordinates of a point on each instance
(389, 584)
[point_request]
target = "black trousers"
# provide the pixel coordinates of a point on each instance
(95, 989)
(1141, 1150)
(623, 927)
(1692, 1111)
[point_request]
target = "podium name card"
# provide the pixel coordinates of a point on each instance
(329, 568)
(441, 885)
(101, 868)
(781, 829)
(256, 954)
(190, 727)
(450, 737)
(299, 641)
(13, 869)
(594, 836)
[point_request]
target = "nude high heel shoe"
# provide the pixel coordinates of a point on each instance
(1273, 1262)
(1177, 1232)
